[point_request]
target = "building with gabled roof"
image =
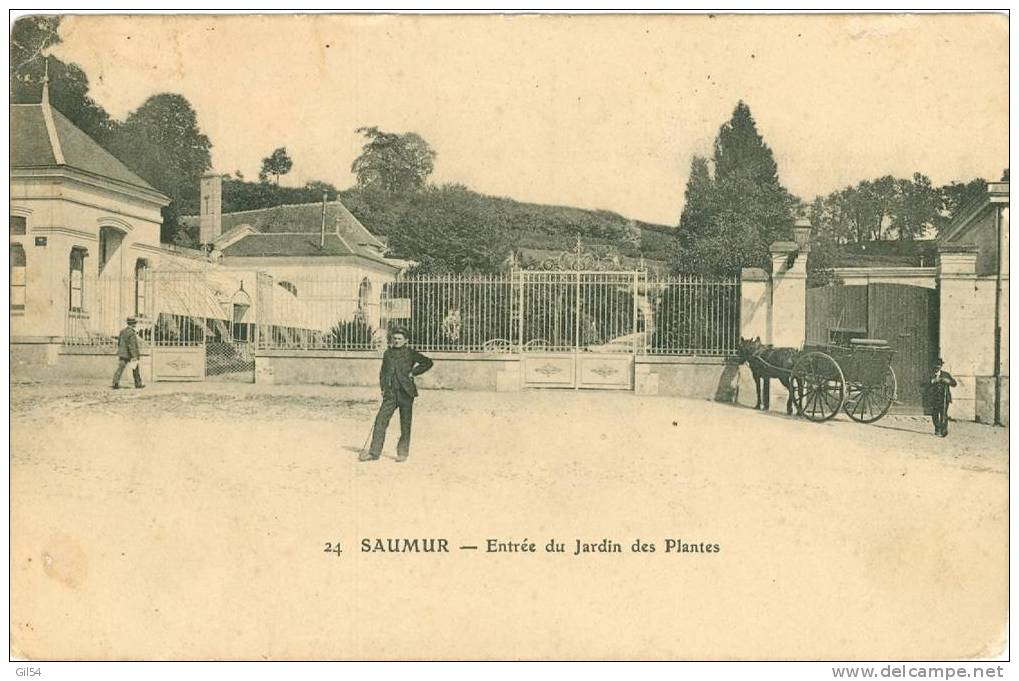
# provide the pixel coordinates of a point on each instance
(85, 254)
(319, 253)
(974, 288)
(312, 236)
(81, 225)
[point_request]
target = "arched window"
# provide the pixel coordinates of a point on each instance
(110, 239)
(141, 269)
(364, 295)
(18, 283)
(76, 280)
(290, 287)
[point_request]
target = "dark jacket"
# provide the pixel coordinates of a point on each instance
(399, 366)
(127, 344)
(940, 392)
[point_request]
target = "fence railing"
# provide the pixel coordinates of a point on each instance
(520, 311)
(693, 316)
(453, 313)
(96, 307)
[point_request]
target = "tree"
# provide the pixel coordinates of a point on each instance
(740, 151)
(446, 229)
(738, 213)
(917, 209)
(392, 162)
(746, 180)
(866, 209)
(162, 143)
(239, 195)
(277, 164)
(956, 195)
(31, 38)
(697, 208)
(318, 188)
(890, 209)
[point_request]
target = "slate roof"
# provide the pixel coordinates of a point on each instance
(287, 244)
(32, 146)
(294, 230)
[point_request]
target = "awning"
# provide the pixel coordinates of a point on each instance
(187, 296)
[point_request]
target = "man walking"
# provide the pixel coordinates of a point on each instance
(400, 364)
(939, 396)
(128, 353)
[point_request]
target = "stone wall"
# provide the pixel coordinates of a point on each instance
(985, 398)
(55, 363)
(704, 378)
(453, 371)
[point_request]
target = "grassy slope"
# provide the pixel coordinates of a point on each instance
(544, 227)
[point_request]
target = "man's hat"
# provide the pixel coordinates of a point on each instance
(132, 321)
(400, 330)
(940, 362)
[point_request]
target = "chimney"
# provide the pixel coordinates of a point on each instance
(211, 220)
(322, 236)
(46, 83)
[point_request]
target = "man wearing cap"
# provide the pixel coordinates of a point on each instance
(939, 396)
(400, 364)
(127, 353)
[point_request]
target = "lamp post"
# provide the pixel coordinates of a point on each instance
(801, 234)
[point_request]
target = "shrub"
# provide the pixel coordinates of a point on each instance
(353, 334)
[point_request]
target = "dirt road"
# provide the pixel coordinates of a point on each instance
(190, 522)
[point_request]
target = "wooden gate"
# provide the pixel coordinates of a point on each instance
(905, 316)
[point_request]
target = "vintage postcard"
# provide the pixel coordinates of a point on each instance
(509, 337)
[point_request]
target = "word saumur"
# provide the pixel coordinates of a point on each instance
(575, 547)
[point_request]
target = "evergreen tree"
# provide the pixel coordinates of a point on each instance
(738, 213)
(740, 151)
(697, 208)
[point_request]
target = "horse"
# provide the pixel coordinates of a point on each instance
(767, 362)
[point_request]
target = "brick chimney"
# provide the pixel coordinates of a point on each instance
(211, 220)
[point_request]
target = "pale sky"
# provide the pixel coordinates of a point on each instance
(594, 111)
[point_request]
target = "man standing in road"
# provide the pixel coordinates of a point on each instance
(400, 364)
(128, 353)
(939, 396)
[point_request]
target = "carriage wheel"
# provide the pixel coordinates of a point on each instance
(819, 388)
(868, 403)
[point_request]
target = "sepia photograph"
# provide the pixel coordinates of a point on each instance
(510, 336)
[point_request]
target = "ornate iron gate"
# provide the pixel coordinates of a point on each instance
(580, 329)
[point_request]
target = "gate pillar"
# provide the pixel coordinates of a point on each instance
(789, 294)
(966, 334)
(755, 304)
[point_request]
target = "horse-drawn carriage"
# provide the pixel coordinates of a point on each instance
(825, 379)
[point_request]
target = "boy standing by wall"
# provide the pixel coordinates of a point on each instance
(939, 396)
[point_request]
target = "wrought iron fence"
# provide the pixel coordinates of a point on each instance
(529, 311)
(520, 311)
(693, 316)
(453, 313)
(97, 307)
